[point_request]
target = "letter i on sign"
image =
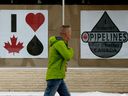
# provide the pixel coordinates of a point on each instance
(13, 22)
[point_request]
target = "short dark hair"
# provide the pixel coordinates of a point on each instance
(65, 26)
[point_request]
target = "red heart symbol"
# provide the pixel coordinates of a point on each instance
(35, 20)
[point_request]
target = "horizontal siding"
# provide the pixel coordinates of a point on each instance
(78, 80)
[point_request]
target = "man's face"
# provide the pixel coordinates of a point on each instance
(68, 34)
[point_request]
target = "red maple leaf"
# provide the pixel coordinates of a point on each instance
(13, 47)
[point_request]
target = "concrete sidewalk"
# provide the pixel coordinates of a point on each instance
(72, 94)
(30, 94)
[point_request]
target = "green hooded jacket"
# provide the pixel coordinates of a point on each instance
(59, 54)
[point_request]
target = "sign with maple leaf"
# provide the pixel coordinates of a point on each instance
(24, 33)
(13, 47)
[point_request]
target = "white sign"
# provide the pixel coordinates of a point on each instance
(104, 34)
(24, 33)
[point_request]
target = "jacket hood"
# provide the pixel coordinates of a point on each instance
(54, 39)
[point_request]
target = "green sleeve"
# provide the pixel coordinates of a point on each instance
(66, 53)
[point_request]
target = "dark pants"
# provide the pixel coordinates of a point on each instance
(56, 85)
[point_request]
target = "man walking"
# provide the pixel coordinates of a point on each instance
(59, 54)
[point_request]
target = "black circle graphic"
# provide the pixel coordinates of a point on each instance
(105, 49)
